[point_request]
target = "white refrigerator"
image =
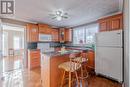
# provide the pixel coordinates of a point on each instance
(109, 54)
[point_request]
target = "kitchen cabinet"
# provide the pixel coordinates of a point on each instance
(65, 35)
(68, 35)
(44, 29)
(116, 22)
(33, 59)
(111, 23)
(32, 33)
(91, 59)
(55, 35)
(104, 25)
(62, 35)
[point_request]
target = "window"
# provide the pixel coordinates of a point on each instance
(85, 34)
(79, 36)
(17, 43)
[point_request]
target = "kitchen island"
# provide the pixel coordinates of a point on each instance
(50, 73)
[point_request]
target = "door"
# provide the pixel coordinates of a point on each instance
(1, 59)
(111, 38)
(5, 43)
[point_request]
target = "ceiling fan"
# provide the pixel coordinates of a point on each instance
(59, 15)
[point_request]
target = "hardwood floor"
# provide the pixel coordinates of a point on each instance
(16, 76)
(12, 63)
(97, 81)
(25, 78)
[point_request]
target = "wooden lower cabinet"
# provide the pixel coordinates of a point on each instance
(33, 59)
(50, 73)
(91, 59)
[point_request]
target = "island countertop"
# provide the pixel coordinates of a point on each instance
(59, 53)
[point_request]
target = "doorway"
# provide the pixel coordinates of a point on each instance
(13, 47)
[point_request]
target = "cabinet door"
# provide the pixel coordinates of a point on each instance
(62, 35)
(55, 35)
(44, 29)
(91, 59)
(33, 59)
(116, 22)
(68, 35)
(32, 33)
(103, 25)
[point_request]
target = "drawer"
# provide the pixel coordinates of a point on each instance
(33, 55)
(35, 63)
(34, 59)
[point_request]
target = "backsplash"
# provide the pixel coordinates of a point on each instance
(31, 45)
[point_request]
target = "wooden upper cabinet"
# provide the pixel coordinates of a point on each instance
(62, 35)
(104, 25)
(65, 35)
(111, 23)
(44, 29)
(116, 22)
(32, 33)
(68, 35)
(55, 35)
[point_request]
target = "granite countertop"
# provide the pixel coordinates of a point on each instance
(81, 48)
(58, 53)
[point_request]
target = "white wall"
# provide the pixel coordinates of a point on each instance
(126, 43)
(1, 64)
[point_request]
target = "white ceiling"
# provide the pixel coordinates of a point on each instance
(80, 11)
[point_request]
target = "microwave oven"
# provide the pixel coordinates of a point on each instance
(45, 37)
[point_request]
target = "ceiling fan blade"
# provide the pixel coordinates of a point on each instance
(53, 17)
(64, 17)
(52, 14)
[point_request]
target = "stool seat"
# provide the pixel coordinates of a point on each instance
(70, 66)
(80, 60)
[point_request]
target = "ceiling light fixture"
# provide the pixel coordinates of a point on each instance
(59, 15)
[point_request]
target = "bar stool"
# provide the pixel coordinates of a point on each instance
(83, 61)
(70, 67)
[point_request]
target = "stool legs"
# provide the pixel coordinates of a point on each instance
(77, 78)
(62, 80)
(69, 79)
